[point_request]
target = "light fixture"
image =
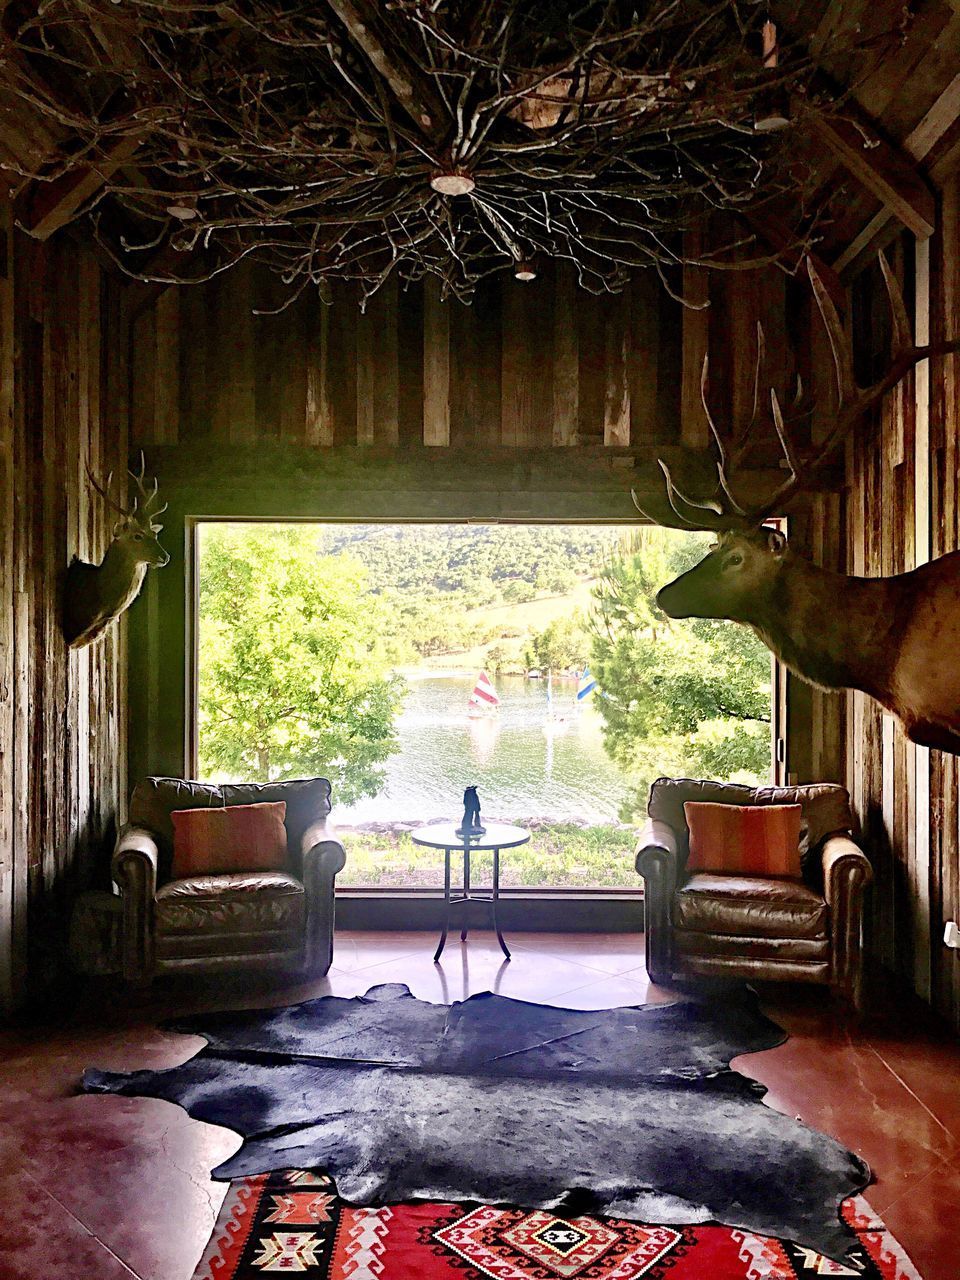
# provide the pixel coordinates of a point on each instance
(452, 182)
(777, 114)
(524, 270)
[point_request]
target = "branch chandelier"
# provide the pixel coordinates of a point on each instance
(345, 140)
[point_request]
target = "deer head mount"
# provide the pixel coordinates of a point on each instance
(95, 594)
(893, 638)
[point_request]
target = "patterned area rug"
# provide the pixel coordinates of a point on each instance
(291, 1223)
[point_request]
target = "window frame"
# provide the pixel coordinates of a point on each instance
(414, 893)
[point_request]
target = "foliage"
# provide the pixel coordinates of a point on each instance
(559, 855)
(563, 645)
(442, 558)
(436, 579)
(294, 674)
(677, 697)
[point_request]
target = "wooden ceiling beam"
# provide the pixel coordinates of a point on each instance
(941, 117)
(779, 237)
(415, 94)
(52, 205)
(882, 169)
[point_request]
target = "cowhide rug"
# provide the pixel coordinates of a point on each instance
(633, 1113)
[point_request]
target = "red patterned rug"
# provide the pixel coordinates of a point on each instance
(291, 1222)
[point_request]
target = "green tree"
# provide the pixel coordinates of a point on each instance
(562, 645)
(677, 697)
(516, 591)
(293, 674)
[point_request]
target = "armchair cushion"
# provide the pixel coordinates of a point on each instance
(248, 903)
(155, 799)
(825, 810)
(750, 906)
(238, 837)
(758, 840)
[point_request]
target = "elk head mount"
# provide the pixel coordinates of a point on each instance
(894, 638)
(95, 594)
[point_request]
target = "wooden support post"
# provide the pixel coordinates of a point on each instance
(436, 365)
(696, 331)
(882, 169)
(566, 358)
(53, 204)
(917, 146)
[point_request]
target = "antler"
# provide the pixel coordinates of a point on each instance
(104, 492)
(135, 511)
(721, 509)
(148, 497)
(854, 402)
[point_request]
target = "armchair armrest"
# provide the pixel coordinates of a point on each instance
(322, 857)
(134, 870)
(846, 875)
(657, 859)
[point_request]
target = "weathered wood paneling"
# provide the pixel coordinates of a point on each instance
(536, 365)
(902, 509)
(63, 386)
(542, 365)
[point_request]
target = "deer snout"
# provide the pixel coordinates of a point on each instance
(669, 603)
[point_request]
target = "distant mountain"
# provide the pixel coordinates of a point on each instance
(467, 557)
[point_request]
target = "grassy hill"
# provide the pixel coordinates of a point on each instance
(514, 621)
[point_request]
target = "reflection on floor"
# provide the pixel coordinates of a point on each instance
(111, 1187)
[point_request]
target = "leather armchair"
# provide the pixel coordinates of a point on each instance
(752, 927)
(246, 919)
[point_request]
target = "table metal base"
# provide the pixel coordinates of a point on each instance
(468, 896)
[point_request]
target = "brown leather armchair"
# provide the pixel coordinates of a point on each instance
(751, 927)
(246, 919)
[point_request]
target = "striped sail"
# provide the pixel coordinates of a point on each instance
(484, 696)
(586, 685)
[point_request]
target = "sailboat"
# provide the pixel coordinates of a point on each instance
(553, 724)
(585, 686)
(483, 701)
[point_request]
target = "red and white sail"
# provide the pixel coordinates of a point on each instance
(484, 696)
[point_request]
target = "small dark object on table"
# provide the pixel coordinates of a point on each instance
(470, 826)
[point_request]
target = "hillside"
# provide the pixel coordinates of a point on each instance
(467, 595)
(514, 625)
(440, 558)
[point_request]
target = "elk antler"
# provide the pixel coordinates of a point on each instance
(854, 401)
(721, 509)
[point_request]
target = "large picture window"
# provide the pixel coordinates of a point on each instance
(407, 661)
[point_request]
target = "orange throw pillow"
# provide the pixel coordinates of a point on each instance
(238, 837)
(750, 840)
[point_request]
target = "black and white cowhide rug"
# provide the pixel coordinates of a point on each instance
(629, 1112)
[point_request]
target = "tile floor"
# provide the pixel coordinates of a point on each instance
(98, 1188)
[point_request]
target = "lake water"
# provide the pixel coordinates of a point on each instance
(524, 764)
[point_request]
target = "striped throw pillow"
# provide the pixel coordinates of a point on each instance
(750, 840)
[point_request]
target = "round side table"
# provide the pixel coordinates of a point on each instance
(443, 835)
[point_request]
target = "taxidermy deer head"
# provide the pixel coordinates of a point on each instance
(95, 594)
(894, 638)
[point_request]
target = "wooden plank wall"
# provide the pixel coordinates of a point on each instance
(526, 365)
(901, 509)
(63, 390)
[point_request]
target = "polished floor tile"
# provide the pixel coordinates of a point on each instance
(119, 1187)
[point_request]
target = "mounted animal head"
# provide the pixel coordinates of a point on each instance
(96, 594)
(738, 577)
(135, 533)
